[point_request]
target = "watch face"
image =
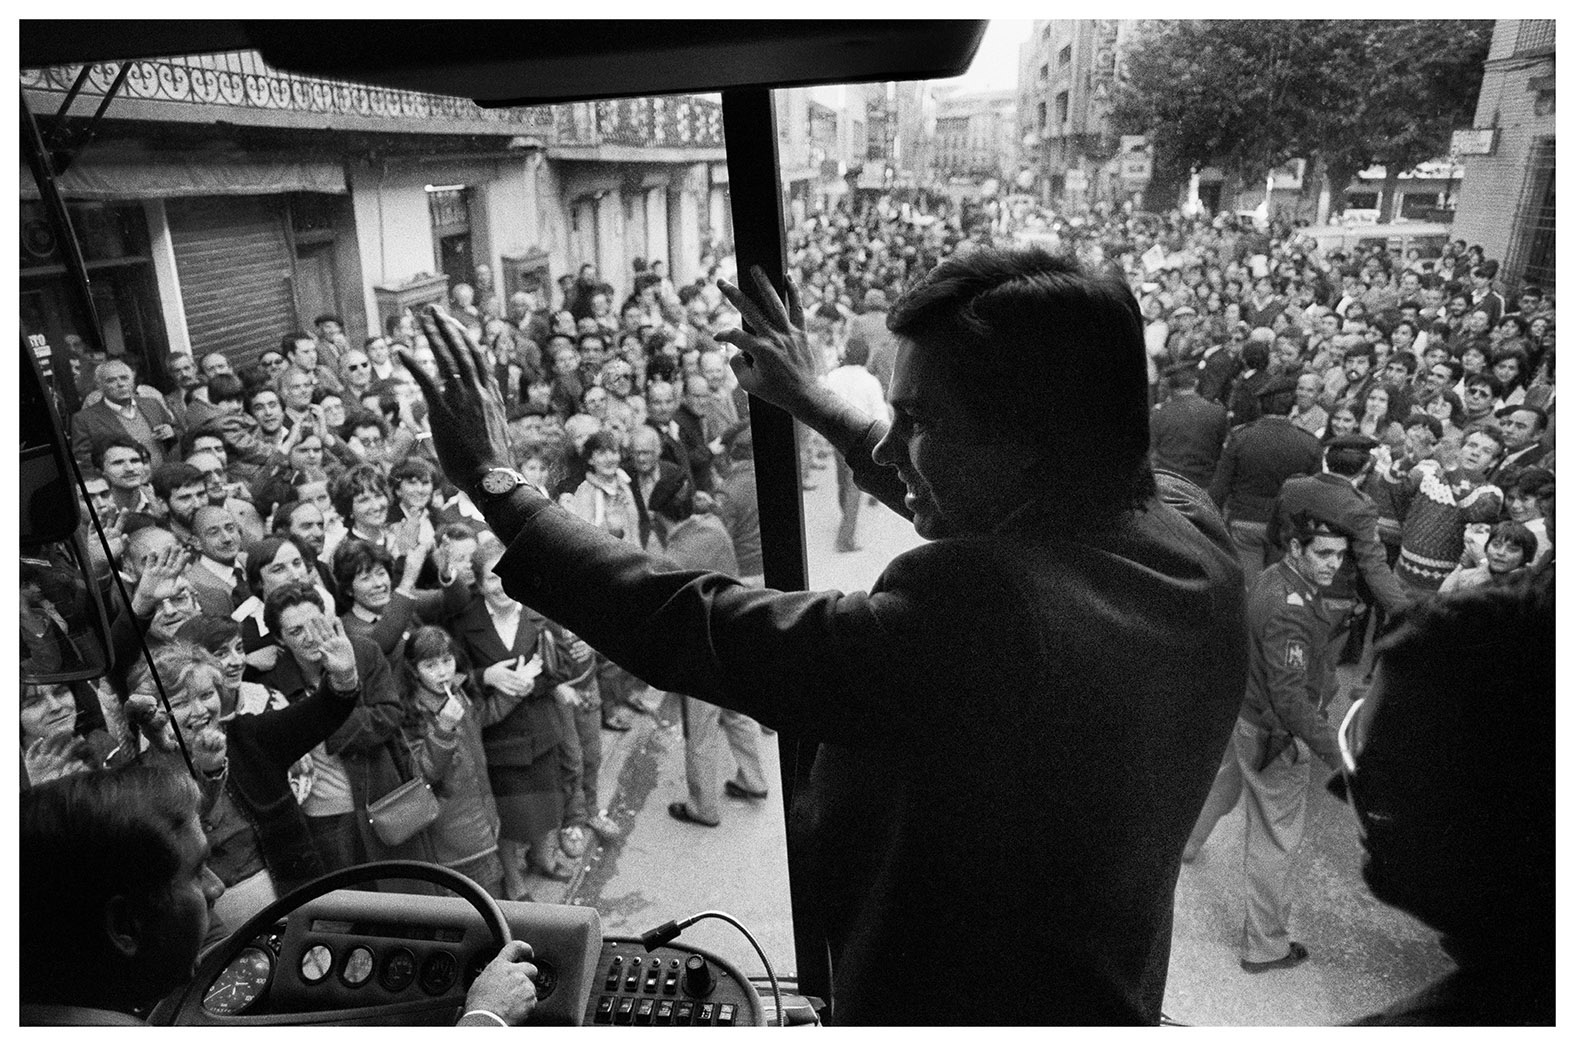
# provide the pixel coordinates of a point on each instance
(499, 481)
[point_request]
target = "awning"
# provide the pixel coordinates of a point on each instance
(87, 180)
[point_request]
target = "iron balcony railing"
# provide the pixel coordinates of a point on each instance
(242, 80)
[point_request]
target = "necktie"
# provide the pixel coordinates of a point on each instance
(240, 593)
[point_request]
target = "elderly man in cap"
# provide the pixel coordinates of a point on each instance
(1258, 458)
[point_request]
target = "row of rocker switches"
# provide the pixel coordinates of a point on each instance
(628, 1010)
(630, 978)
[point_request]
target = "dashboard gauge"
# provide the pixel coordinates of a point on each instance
(399, 970)
(241, 983)
(358, 966)
(439, 973)
(316, 963)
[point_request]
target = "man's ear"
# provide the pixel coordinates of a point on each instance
(122, 926)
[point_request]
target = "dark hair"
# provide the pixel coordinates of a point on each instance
(458, 530)
(1523, 374)
(1255, 355)
(412, 467)
(1487, 378)
(354, 557)
(1427, 421)
(226, 386)
(1487, 874)
(1347, 460)
(1532, 481)
(1393, 410)
(1536, 412)
(1520, 535)
(210, 632)
(1457, 410)
(1020, 332)
(173, 475)
(250, 398)
(599, 440)
(1406, 358)
(86, 839)
(326, 317)
(357, 479)
(103, 445)
(856, 352)
(283, 598)
(261, 552)
(1456, 368)
(1305, 525)
(287, 343)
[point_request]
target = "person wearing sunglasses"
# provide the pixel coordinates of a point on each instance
(1290, 679)
(1448, 763)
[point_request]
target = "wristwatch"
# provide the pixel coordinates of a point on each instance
(500, 482)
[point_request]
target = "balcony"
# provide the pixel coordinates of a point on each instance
(240, 88)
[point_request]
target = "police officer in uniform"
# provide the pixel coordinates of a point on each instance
(1336, 494)
(1290, 679)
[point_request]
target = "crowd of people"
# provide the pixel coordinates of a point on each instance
(318, 598)
(325, 622)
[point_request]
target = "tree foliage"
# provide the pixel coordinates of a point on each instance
(1248, 95)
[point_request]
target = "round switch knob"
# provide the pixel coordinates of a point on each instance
(698, 979)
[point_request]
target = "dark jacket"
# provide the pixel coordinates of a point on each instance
(691, 433)
(375, 756)
(533, 726)
(1257, 460)
(99, 421)
(262, 748)
(1186, 434)
(992, 697)
(1216, 374)
(1290, 674)
(1333, 499)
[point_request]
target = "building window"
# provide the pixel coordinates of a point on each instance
(1534, 34)
(1063, 104)
(1361, 201)
(1044, 72)
(1530, 254)
(1064, 59)
(1041, 108)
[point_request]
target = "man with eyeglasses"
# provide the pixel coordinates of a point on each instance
(1449, 764)
(356, 370)
(1479, 394)
(1290, 679)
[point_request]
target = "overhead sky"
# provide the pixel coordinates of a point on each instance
(994, 67)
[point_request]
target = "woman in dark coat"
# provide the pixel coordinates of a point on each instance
(499, 637)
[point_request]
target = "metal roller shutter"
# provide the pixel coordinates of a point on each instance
(235, 270)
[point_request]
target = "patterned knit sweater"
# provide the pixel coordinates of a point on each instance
(1436, 507)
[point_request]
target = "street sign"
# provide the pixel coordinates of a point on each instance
(1137, 170)
(1474, 142)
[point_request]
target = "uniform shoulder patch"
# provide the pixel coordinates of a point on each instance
(1294, 599)
(1295, 655)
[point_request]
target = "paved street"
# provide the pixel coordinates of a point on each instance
(1363, 954)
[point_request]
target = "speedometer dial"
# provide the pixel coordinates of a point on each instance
(241, 983)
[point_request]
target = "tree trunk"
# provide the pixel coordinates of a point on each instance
(1386, 200)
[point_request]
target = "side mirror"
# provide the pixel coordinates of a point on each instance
(63, 626)
(48, 506)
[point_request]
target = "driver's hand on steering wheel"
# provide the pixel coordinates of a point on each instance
(506, 988)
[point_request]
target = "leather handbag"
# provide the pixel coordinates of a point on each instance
(403, 812)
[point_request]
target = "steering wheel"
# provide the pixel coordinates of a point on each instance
(188, 1009)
